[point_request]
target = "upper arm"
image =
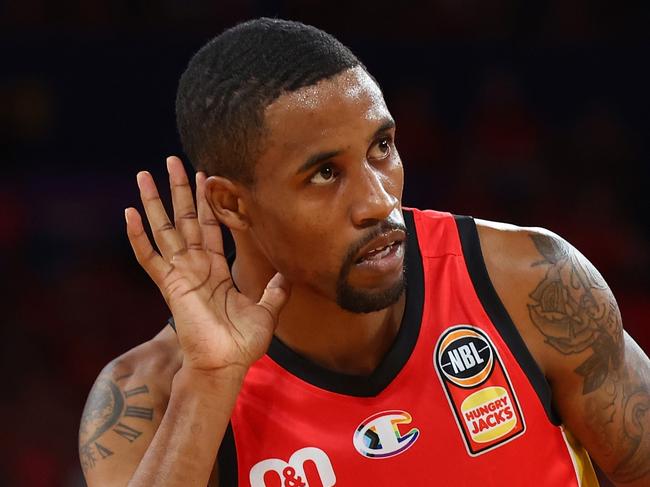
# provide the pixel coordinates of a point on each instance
(571, 323)
(122, 413)
(124, 409)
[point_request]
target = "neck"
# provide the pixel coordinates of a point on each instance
(350, 343)
(317, 328)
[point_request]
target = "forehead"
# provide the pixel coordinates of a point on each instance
(330, 112)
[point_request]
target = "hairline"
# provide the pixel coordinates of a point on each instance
(264, 130)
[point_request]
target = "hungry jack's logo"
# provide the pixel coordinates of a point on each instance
(478, 389)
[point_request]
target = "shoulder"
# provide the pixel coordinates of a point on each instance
(514, 249)
(517, 258)
(549, 289)
(125, 407)
(155, 362)
(570, 322)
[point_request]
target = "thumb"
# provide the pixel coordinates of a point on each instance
(276, 294)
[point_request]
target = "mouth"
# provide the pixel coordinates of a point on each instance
(383, 251)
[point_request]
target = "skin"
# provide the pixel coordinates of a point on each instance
(294, 235)
(293, 231)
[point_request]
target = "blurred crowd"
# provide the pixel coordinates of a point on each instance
(533, 113)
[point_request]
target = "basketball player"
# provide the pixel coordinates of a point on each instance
(350, 341)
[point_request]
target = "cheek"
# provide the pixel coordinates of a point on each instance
(302, 248)
(395, 179)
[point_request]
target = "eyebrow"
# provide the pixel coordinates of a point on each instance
(320, 157)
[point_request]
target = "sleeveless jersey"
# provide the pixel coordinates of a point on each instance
(457, 400)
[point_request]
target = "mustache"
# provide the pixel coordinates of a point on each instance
(381, 228)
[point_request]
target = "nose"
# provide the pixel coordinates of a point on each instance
(373, 199)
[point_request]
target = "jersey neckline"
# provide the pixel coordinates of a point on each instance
(397, 355)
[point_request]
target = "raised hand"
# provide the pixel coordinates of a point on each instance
(217, 326)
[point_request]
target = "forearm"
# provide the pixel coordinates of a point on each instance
(184, 448)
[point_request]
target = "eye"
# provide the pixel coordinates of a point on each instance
(325, 175)
(380, 149)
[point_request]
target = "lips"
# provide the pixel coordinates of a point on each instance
(381, 246)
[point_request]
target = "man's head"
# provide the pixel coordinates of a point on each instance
(300, 144)
(231, 80)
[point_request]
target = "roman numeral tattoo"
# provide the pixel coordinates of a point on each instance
(135, 391)
(125, 431)
(107, 409)
(139, 412)
(103, 451)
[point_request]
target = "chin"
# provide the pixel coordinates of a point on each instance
(358, 300)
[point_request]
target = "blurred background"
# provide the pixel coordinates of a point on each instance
(534, 113)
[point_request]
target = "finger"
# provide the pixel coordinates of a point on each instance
(275, 295)
(169, 242)
(210, 228)
(185, 217)
(145, 254)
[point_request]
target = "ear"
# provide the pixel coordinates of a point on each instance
(225, 198)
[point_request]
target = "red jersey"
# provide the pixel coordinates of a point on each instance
(457, 401)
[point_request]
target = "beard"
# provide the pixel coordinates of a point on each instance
(358, 300)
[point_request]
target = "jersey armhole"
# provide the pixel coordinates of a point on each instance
(498, 314)
(227, 458)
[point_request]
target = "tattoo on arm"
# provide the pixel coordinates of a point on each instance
(570, 310)
(107, 411)
(636, 407)
(576, 312)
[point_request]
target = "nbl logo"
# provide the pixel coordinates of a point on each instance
(478, 388)
(465, 357)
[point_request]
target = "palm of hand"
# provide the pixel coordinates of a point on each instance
(217, 326)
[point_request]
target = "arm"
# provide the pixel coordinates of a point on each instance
(220, 334)
(185, 446)
(599, 376)
(106, 434)
(125, 408)
(571, 323)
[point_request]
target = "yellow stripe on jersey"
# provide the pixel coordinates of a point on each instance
(581, 462)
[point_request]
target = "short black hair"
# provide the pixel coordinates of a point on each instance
(229, 82)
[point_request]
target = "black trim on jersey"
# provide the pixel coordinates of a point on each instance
(498, 314)
(227, 459)
(397, 355)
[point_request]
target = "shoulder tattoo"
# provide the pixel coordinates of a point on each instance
(575, 311)
(111, 410)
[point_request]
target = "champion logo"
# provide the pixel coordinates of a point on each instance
(292, 473)
(379, 436)
(465, 357)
